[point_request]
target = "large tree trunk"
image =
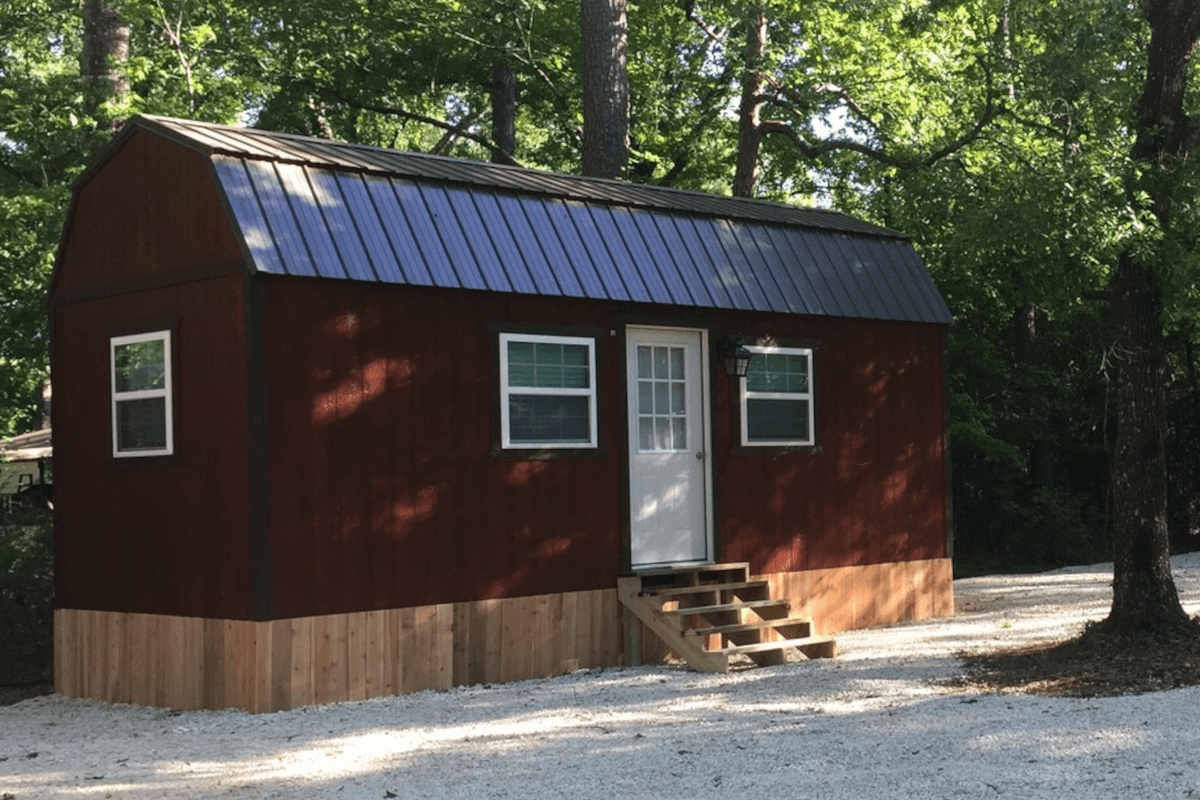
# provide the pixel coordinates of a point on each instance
(605, 88)
(504, 112)
(749, 113)
(105, 47)
(1144, 595)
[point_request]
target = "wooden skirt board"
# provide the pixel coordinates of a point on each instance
(194, 663)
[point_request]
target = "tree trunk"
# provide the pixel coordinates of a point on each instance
(605, 88)
(504, 112)
(1144, 595)
(749, 113)
(105, 49)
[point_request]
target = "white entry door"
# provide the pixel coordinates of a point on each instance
(669, 498)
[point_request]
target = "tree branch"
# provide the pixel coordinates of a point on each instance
(461, 129)
(817, 149)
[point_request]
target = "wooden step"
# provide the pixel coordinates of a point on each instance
(683, 591)
(759, 624)
(646, 593)
(781, 644)
(696, 611)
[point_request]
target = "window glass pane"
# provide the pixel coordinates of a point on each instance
(677, 398)
(548, 353)
(142, 424)
(520, 352)
(777, 420)
(662, 397)
(679, 431)
(574, 355)
(662, 433)
(644, 362)
(549, 377)
(661, 363)
(645, 397)
(521, 375)
(575, 377)
(756, 375)
(677, 363)
(646, 434)
(140, 366)
(549, 419)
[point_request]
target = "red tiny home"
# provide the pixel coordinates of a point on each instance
(334, 421)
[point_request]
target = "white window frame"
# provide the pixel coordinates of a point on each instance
(744, 394)
(142, 394)
(506, 391)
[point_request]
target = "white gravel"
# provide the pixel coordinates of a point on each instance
(879, 721)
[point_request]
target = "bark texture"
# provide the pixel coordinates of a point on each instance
(105, 48)
(749, 113)
(1144, 595)
(504, 113)
(605, 88)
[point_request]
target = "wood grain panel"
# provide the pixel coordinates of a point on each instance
(190, 662)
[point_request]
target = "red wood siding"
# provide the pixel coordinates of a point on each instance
(876, 491)
(152, 212)
(385, 491)
(162, 535)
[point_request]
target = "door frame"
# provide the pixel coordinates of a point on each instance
(706, 426)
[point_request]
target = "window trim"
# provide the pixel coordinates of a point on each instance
(591, 392)
(744, 394)
(167, 392)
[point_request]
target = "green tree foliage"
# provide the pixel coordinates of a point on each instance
(998, 133)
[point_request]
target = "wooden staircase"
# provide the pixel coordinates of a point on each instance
(711, 614)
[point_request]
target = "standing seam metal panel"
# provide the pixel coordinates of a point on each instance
(440, 215)
(596, 254)
(621, 260)
(408, 200)
(343, 231)
(887, 276)
(749, 239)
(668, 228)
(641, 262)
(546, 242)
(721, 273)
(854, 275)
(499, 231)
(300, 221)
(256, 231)
(559, 215)
(296, 259)
(326, 258)
(526, 248)
(661, 257)
(397, 246)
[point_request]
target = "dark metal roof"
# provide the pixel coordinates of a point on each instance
(311, 207)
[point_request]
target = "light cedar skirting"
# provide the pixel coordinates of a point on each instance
(193, 663)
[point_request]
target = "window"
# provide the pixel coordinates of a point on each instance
(776, 397)
(141, 395)
(547, 391)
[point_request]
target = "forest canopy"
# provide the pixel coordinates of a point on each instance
(1000, 134)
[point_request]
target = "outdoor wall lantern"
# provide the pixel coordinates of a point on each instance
(737, 359)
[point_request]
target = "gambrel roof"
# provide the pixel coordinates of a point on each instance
(313, 207)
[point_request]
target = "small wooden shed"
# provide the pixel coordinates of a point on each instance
(336, 421)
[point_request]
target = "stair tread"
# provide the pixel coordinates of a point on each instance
(655, 572)
(758, 624)
(675, 591)
(780, 644)
(713, 609)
